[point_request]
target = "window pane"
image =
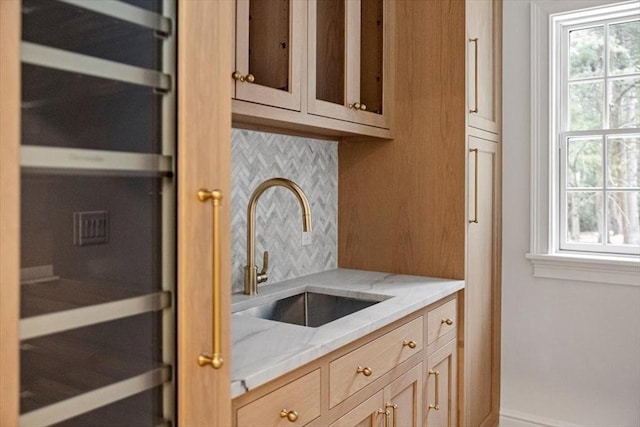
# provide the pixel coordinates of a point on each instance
(584, 162)
(586, 52)
(585, 106)
(623, 219)
(624, 48)
(584, 217)
(624, 104)
(623, 161)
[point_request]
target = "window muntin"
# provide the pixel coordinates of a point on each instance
(599, 136)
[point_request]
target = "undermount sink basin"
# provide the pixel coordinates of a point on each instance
(311, 309)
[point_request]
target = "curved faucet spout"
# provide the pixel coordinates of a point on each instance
(251, 276)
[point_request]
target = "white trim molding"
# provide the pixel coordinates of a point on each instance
(510, 418)
(586, 268)
(547, 260)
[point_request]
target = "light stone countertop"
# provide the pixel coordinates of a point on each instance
(263, 350)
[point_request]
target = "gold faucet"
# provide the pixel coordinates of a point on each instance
(251, 276)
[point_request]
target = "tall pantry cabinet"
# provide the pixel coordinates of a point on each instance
(428, 202)
(113, 117)
(480, 363)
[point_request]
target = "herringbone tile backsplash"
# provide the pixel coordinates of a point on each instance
(310, 163)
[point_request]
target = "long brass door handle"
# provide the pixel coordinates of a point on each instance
(436, 404)
(386, 414)
(394, 408)
(475, 187)
(475, 75)
(215, 358)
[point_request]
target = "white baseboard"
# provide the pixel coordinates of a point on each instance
(509, 418)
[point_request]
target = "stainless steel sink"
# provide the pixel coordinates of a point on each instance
(309, 308)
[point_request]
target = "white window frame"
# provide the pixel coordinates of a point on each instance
(545, 254)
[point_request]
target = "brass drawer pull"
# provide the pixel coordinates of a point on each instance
(365, 371)
(215, 358)
(237, 76)
(447, 321)
(410, 344)
(475, 187)
(475, 75)
(292, 416)
(436, 404)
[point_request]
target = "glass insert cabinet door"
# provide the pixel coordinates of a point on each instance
(97, 188)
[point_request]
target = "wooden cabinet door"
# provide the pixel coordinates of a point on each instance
(350, 60)
(441, 394)
(369, 413)
(403, 397)
(482, 290)
(204, 161)
(269, 60)
(484, 63)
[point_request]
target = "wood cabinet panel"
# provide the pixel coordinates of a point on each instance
(368, 413)
(204, 160)
(484, 63)
(482, 293)
(441, 387)
(401, 203)
(10, 210)
(403, 397)
(301, 395)
(441, 321)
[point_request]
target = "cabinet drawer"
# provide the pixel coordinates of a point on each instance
(441, 320)
(301, 395)
(357, 369)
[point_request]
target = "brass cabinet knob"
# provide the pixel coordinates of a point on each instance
(358, 106)
(237, 76)
(410, 344)
(447, 321)
(365, 371)
(292, 416)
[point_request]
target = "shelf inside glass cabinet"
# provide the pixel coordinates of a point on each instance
(82, 30)
(65, 365)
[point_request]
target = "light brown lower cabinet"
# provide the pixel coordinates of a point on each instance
(441, 387)
(384, 380)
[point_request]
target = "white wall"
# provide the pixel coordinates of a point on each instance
(570, 350)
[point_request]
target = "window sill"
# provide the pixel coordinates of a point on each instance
(587, 268)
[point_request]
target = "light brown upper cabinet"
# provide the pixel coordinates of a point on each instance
(484, 76)
(350, 64)
(321, 67)
(269, 61)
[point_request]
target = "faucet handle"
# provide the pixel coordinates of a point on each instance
(262, 276)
